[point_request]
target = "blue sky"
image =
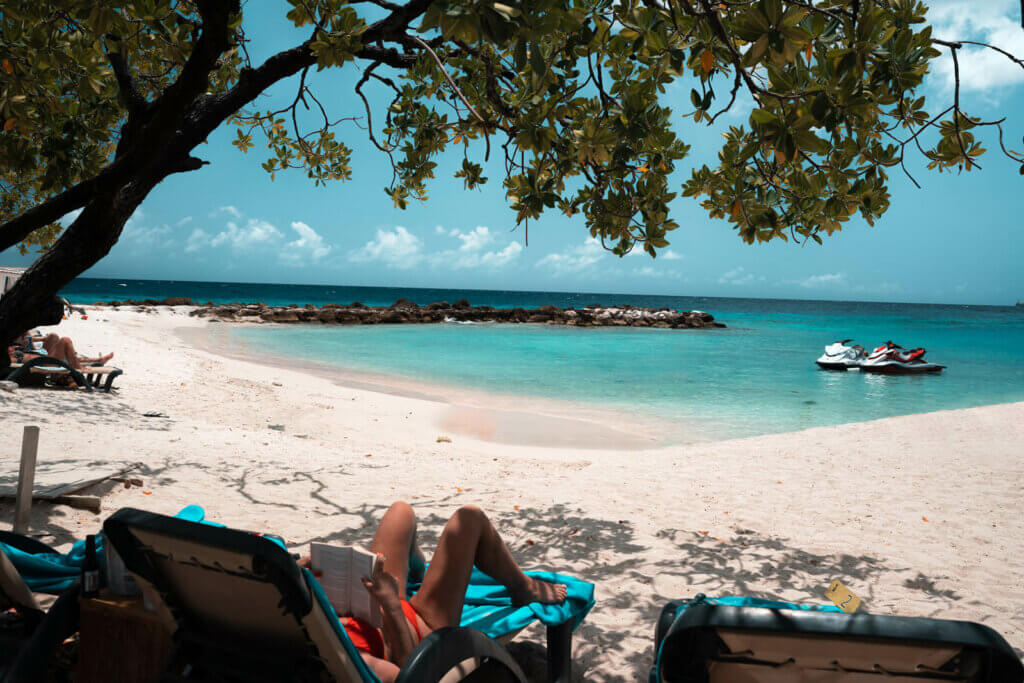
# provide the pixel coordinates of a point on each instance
(957, 240)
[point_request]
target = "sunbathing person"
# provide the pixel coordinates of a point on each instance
(60, 348)
(468, 539)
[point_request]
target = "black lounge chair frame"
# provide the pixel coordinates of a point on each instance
(82, 379)
(211, 653)
(687, 641)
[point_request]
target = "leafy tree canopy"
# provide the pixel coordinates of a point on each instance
(101, 101)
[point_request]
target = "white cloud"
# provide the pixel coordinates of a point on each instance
(475, 240)
(826, 280)
(575, 259)
(472, 252)
(497, 259)
(229, 209)
(738, 276)
(199, 239)
(184, 221)
(309, 246)
(651, 271)
(664, 254)
(255, 232)
(440, 230)
(396, 248)
(982, 70)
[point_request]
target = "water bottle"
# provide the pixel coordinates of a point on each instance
(90, 569)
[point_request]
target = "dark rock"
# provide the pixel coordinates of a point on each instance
(177, 301)
(461, 304)
(438, 305)
(403, 303)
(356, 304)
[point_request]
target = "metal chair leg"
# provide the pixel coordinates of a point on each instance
(560, 653)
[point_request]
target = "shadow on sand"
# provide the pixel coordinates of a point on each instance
(608, 552)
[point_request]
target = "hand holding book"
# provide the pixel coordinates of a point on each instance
(382, 585)
(341, 571)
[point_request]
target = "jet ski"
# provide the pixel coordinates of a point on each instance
(893, 359)
(839, 356)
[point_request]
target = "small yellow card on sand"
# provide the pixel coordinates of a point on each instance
(843, 597)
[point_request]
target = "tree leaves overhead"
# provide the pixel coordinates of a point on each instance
(582, 100)
(59, 98)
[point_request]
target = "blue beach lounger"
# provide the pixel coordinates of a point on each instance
(749, 640)
(244, 611)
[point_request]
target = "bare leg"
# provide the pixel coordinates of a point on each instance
(470, 539)
(63, 349)
(395, 539)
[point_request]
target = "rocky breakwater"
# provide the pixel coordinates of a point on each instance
(404, 311)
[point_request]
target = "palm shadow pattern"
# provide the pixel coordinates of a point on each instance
(632, 586)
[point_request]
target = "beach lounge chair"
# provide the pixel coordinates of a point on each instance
(33, 625)
(39, 368)
(748, 640)
(244, 610)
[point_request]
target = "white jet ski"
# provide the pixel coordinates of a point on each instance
(839, 356)
(893, 359)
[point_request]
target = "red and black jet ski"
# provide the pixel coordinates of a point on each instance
(893, 359)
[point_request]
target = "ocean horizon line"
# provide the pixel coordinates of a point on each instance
(541, 291)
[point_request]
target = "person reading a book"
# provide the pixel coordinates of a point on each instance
(468, 539)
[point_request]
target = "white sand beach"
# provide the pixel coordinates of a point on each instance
(918, 515)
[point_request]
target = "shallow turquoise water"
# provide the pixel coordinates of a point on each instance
(755, 377)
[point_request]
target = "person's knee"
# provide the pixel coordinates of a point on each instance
(403, 511)
(400, 507)
(51, 338)
(470, 514)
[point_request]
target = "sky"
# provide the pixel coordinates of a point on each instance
(958, 239)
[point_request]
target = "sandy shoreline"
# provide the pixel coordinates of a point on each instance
(919, 515)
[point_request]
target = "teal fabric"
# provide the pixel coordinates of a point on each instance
(488, 605)
(54, 573)
(321, 598)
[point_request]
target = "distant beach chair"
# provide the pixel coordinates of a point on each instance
(33, 625)
(36, 370)
(749, 640)
(245, 611)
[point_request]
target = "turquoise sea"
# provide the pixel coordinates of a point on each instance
(757, 376)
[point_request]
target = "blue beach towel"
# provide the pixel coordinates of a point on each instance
(488, 605)
(54, 573)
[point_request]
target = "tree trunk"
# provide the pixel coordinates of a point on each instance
(33, 300)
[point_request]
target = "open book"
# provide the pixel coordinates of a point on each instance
(339, 570)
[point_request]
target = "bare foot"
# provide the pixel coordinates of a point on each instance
(536, 590)
(106, 359)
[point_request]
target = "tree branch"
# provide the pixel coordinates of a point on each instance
(128, 92)
(14, 231)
